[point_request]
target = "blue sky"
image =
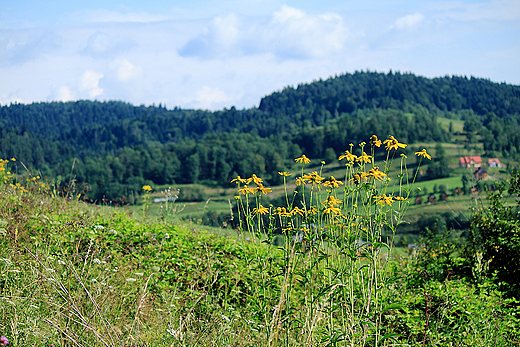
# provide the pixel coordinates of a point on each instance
(212, 54)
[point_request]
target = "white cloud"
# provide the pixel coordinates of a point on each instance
(89, 83)
(409, 21)
(207, 98)
(63, 93)
(125, 70)
(287, 14)
(293, 33)
(288, 33)
(227, 30)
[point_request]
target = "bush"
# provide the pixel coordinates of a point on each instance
(494, 239)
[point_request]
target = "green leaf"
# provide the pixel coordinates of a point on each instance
(394, 306)
(389, 336)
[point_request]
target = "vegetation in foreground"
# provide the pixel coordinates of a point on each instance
(71, 275)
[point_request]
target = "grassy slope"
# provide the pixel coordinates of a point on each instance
(76, 272)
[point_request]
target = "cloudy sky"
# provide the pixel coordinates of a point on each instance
(212, 54)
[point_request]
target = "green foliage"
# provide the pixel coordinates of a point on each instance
(495, 234)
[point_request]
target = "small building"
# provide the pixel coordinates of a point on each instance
(472, 161)
(443, 196)
(432, 198)
(480, 174)
(418, 200)
(458, 191)
(494, 162)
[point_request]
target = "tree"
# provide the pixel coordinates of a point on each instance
(192, 169)
(439, 168)
(330, 156)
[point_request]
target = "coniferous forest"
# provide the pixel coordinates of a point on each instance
(115, 147)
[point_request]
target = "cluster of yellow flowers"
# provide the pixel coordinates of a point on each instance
(19, 187)
(4, 174)
(147, 188)
(331, 206)
(384, 199)
(249, 190)
(282, 211)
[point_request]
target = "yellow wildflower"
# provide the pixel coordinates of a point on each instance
(374, 141)
(147, 188)
(332, 181)
(347, 155)
(359, 176)
(302, 159)
(392, 143)
(312, 210)
(256, 179)
(13, 159)
(300, 181)
(423, 154)
(332, 201)
(246, 190)
(282, 211)
(378, 175)
(332, 209)
(383, 199)
(400, 198)
(364, 158)
(261, 209)
(239, 179)
(284, 174)
(313, 178)
(297, 210)
(261, 188)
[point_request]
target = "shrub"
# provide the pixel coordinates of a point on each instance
(494, 237)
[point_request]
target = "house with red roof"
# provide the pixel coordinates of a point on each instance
(472, 161)
(494, 162)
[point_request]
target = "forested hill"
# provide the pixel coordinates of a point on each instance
(308, 105)
(117, 147)
(349, 92)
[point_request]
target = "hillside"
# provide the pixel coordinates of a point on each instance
(114, 148)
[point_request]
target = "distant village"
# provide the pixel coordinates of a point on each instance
(480, 174)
